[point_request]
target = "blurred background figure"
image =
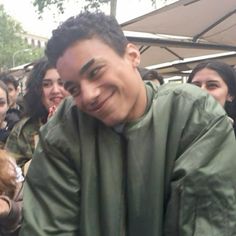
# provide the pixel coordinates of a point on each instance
(151, 75)
(15, 110)
(44, 92)
(11, 182)
(4, 104)
(219, 80)
(13, 90)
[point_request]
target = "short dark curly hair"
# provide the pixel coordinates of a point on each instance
(34, 107)
(86, 25)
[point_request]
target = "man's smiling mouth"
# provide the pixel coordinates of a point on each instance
(99, 106)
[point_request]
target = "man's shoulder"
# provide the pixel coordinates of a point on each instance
(64, 118)
(187, 97)
(187, 92)
(184, 89)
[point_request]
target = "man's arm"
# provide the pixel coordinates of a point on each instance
(202, 200)
(52, 190)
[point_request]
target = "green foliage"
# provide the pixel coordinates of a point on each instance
(41, 5)
(11, 42)
(90, 5)
(94, 5)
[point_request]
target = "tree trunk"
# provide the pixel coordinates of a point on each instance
(113, 7)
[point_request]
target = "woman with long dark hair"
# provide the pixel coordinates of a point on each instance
(219, 80)
(44, 92)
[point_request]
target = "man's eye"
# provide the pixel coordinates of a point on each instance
(94, 72)
(72, 88)
(74, 91)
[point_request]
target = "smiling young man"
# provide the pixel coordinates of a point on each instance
(121, 157)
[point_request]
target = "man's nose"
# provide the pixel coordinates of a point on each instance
(89, 93)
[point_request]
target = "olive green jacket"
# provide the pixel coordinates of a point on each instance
(171, 172)
(22, 140)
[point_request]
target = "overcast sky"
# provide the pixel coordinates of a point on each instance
(24, 12)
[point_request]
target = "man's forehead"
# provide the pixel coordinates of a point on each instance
(64, 62)
(66, 68)
(74, 65)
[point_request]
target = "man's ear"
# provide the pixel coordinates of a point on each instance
(133, 54)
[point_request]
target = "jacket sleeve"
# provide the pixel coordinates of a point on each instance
(202, 199)
(52, 189)
(20, 144)
(10, 222)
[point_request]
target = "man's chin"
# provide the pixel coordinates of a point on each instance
(111, 122)
(109, 119)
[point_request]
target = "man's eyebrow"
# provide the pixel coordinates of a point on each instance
(86, 66)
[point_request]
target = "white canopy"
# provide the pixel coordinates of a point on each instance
(183, 30)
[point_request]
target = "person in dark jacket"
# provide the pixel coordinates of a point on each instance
(124, 157)
(218, 79)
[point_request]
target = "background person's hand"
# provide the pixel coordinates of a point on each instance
(51, 110)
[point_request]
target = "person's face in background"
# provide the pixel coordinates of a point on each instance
(3, 106)
(12, 93)
(53, 90)
(104, 84)
(213, 83)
